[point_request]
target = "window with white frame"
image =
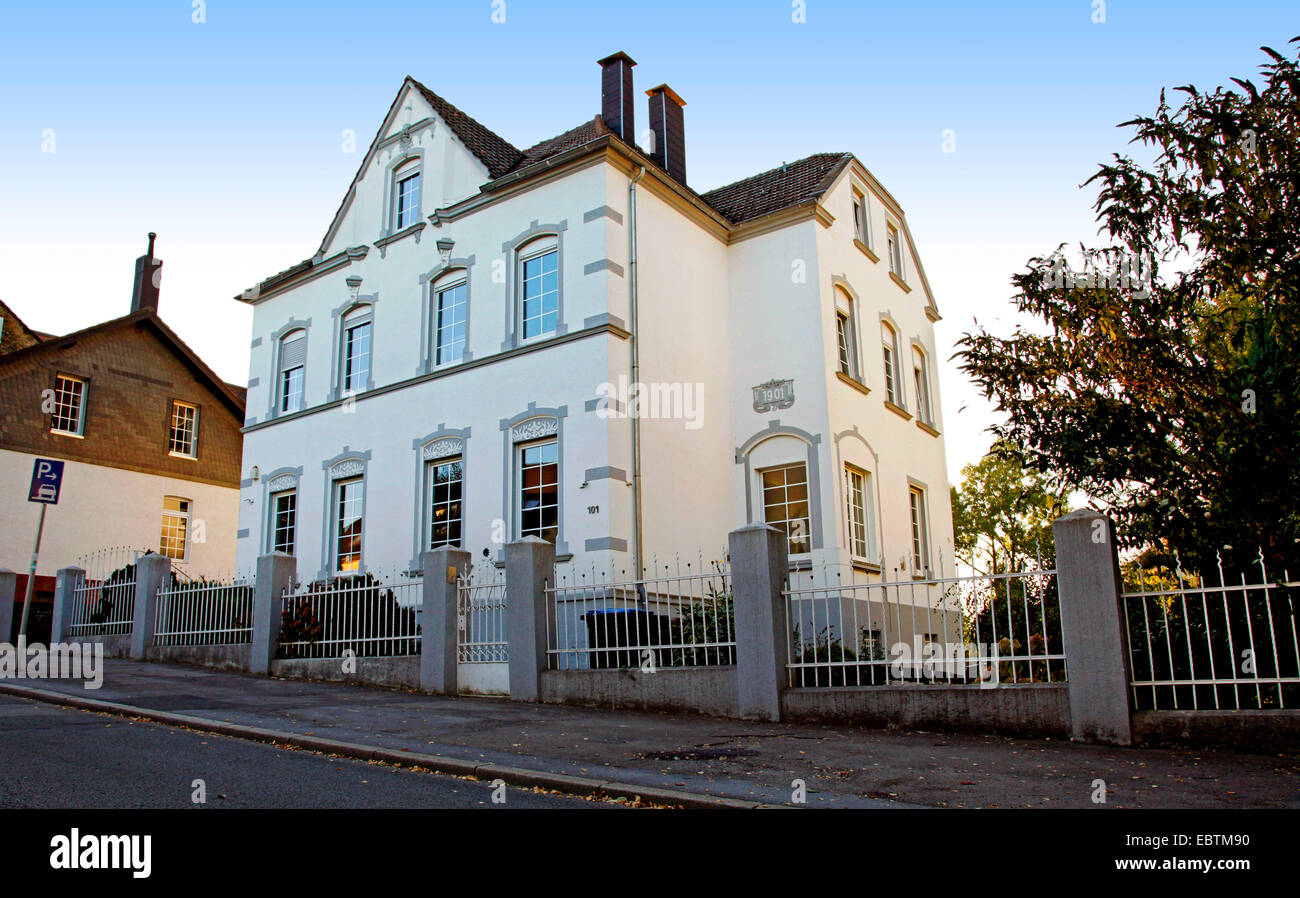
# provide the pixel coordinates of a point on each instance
(349, 507)
(450, 303)
(357, 326)
(539, 278)
(861, 224)
(921, 379)
(893, 381)
(895, 250)
(842, 338)
(443, 484)
(68, 416)
(539, 490)
(857, 499)
(920, 532)
(846, 337)
(174, 540)
(293, 366)
(284, 522)
(785, 504)
(406, 195)
(184, 436)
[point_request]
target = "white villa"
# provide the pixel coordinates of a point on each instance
(453, 364)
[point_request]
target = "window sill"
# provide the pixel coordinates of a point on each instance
(898, 410)
(865, 566)
(67, 433)
(900, 282)
(857, 385)
(402, 234)
(928, 428)
(866, 250)
(182, 455)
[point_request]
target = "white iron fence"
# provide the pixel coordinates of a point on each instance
(681, 617)
(1193, 645)
(201, 612)
(845, 630)
(481, 616)
(368, 615)
(103, 600)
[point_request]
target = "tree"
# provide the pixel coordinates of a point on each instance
(1174, 401)
(1002, 514)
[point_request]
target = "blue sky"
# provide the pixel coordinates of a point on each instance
(225, 136)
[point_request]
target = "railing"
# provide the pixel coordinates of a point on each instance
(986, 629)
(1195, 646)
(361, 613)
(481, 617)
(103, 600)
(197, 612)
(681, 619)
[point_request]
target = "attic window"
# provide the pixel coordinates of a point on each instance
(406, 195)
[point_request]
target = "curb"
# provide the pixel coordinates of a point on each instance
(581, 786)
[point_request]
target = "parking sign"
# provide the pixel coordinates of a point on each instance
(47, 477)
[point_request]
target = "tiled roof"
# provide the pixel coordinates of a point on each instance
(788, 185)
(493, 150)
(574, 137)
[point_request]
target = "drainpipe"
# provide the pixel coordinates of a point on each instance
(638, 557)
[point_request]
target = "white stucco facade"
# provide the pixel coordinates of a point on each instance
(722, 310)
(101, 507)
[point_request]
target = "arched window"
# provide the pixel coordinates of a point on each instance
(921, 378)
(539, 287)
(893, 379)
(406, 194)
(450, 297)
(354, 374)
(846, 335)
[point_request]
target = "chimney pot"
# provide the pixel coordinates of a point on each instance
(148, 278)
(669, 129)
(616, 99)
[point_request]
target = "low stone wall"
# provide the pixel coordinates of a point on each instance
(704, 690)
(115, 646)
(1039, 709)
(403, 671)
(1262, 731)
(217, 657)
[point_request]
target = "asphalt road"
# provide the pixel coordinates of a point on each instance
(53, 757)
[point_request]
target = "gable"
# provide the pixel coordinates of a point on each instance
(454, 154)
(134, 369)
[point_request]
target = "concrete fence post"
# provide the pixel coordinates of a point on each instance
(439, 622)
(275, 574)
(8, 586)
(66, 581)
(1092, 627)
(530, 568)
(759, 565)
(151, 572)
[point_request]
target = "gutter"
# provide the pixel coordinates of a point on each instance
(639, 554)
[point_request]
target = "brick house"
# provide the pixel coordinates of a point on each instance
(149, 434)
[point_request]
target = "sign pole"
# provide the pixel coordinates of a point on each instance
(31, 574)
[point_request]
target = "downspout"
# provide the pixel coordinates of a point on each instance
(638, 557)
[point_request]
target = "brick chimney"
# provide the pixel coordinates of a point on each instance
(669, 130)
(616, 95)
(148, 275)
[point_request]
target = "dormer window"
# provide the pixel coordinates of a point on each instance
(406, 195)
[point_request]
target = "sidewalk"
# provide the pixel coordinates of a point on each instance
(753, 762)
